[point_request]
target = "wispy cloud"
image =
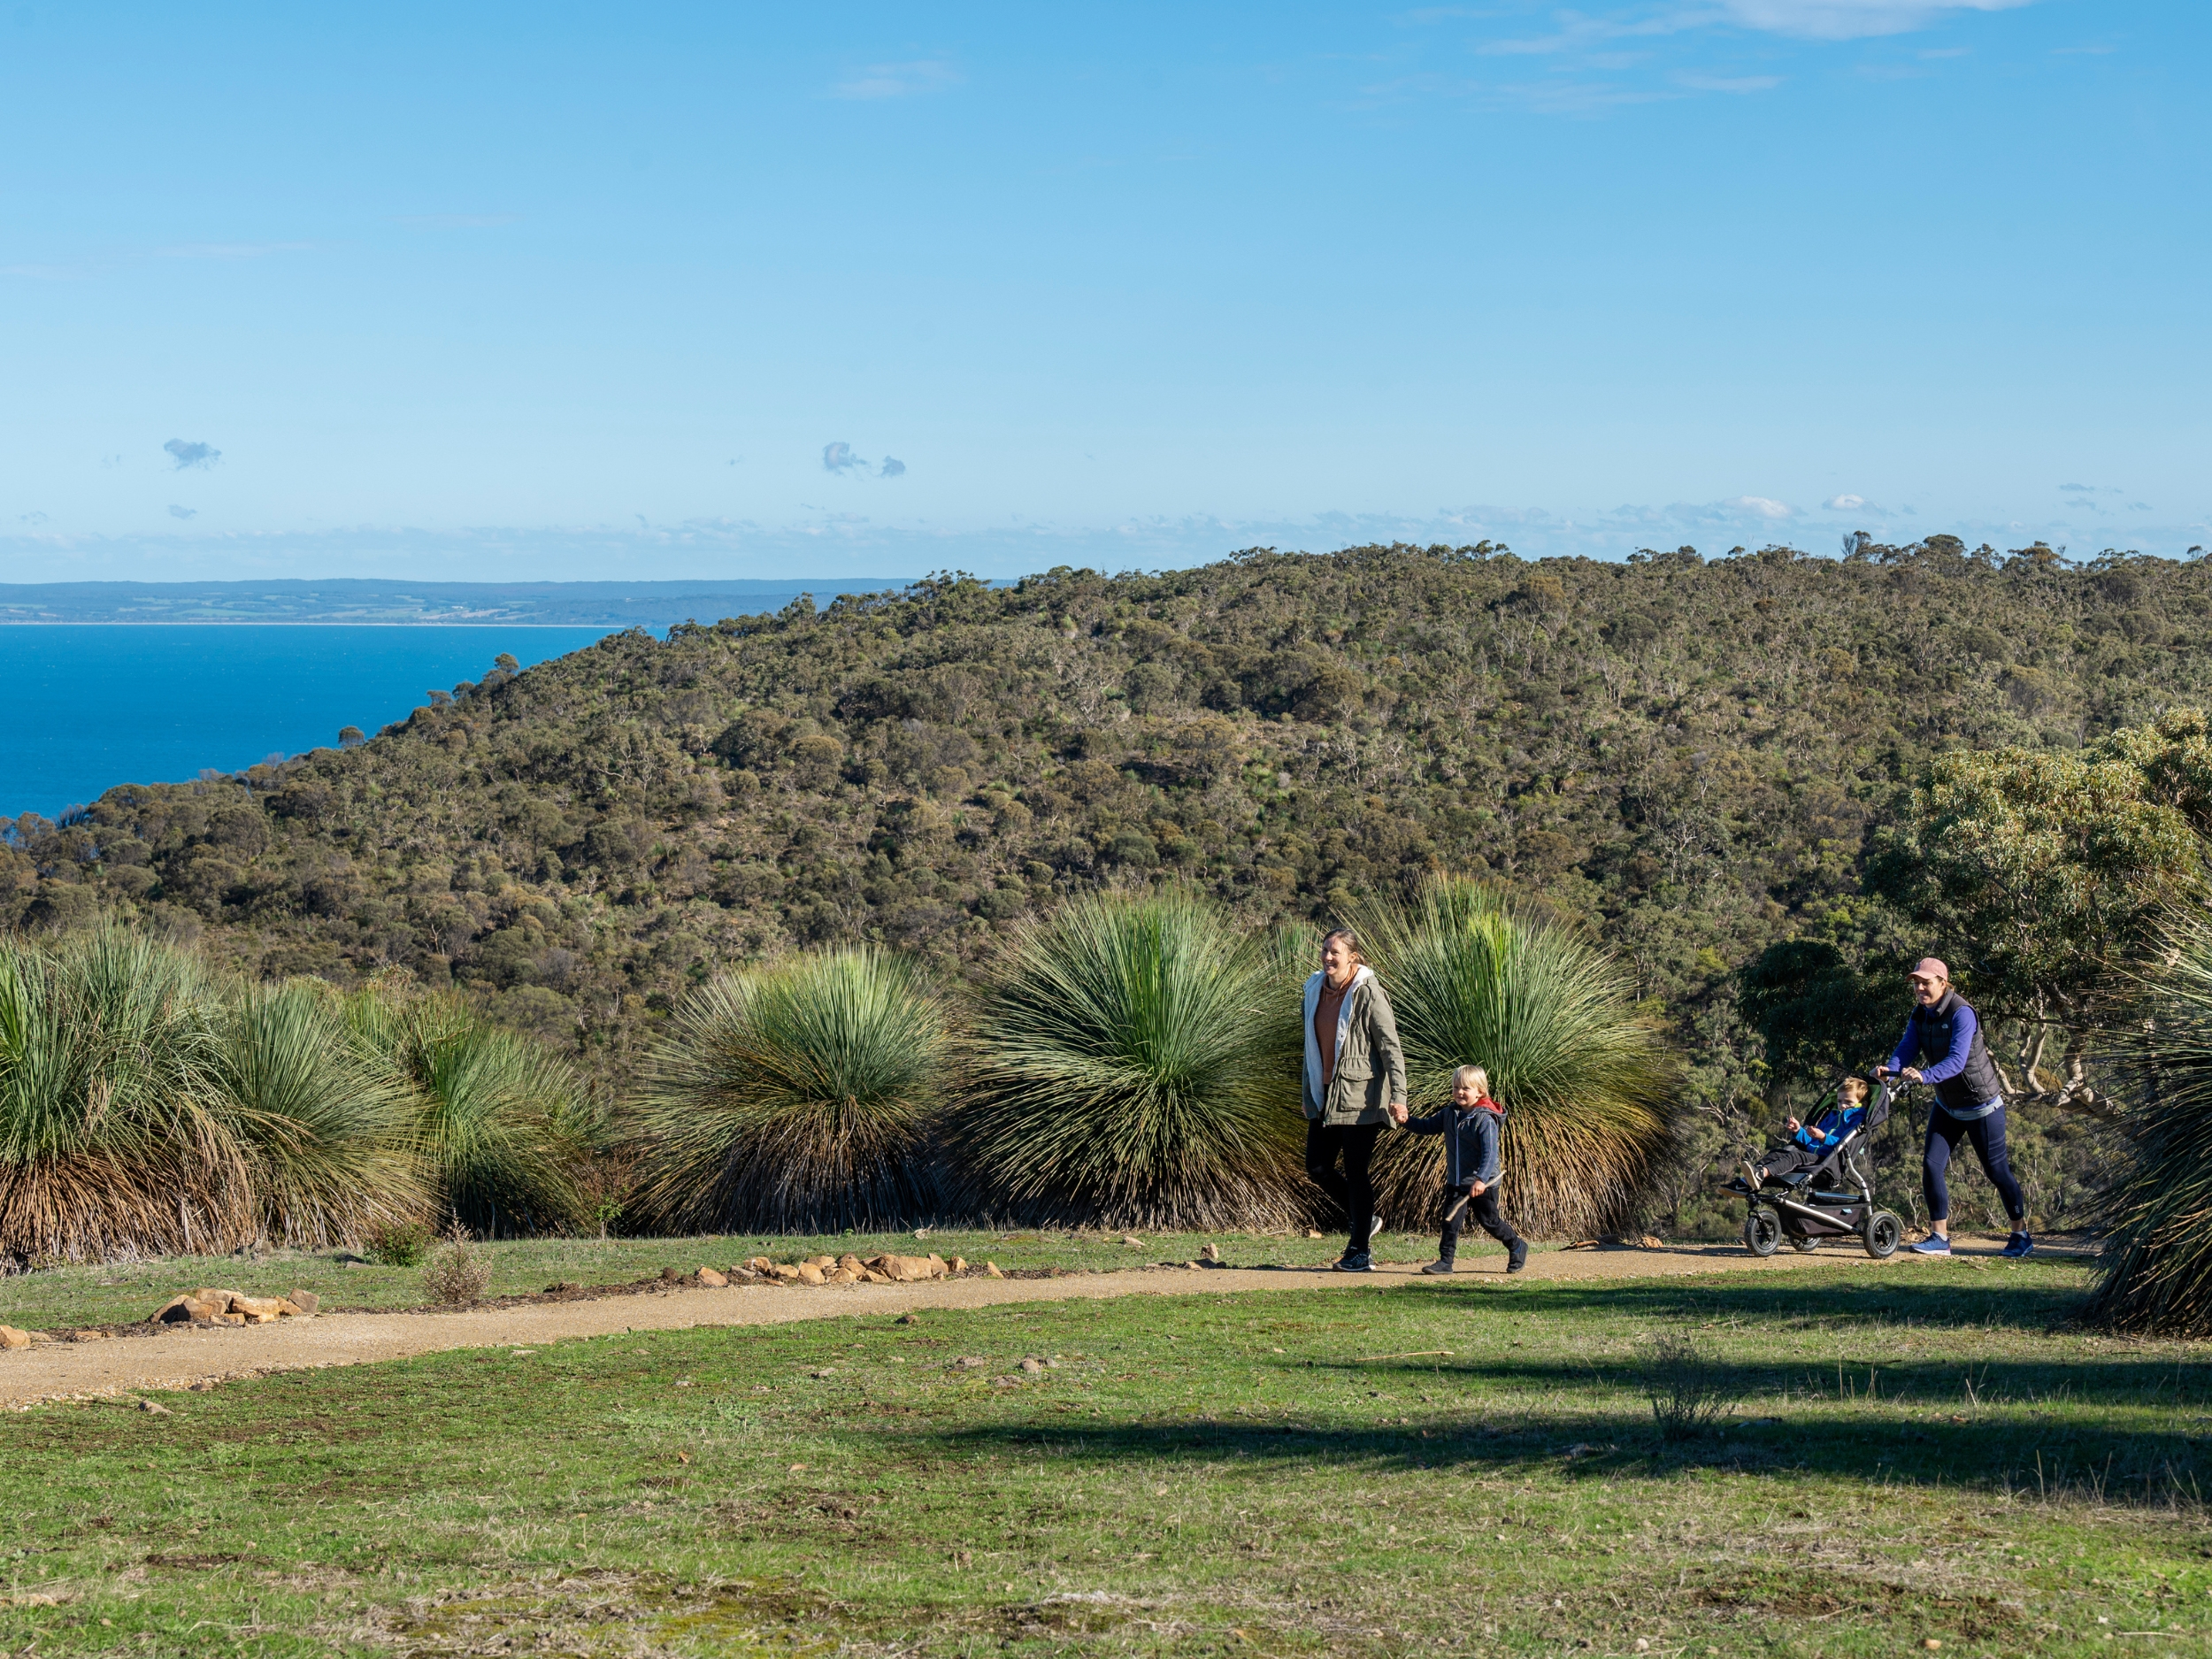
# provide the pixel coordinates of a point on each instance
(1851, 19)
(839, 458)
(899, 80)
(1728, 83)
(176, 511)
(1844, 503)
(892, 467)
(189, 454)
(231, 250)
(455, 221)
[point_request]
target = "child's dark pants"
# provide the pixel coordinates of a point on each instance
(1482, 1209)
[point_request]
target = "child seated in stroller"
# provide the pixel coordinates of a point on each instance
(1809, 1144)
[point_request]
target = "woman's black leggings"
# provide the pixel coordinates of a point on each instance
(1988, 1135)
(1355, 1143)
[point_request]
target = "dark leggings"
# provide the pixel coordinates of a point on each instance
(1988, 1135)
(1355, 1143)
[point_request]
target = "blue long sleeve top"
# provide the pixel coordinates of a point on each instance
(1963, 1026)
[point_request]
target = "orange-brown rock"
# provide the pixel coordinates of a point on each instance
(711, 1279)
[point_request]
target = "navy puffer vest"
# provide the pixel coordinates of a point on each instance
(1931, 1030)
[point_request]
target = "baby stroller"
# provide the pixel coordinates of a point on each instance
(1806, 1206)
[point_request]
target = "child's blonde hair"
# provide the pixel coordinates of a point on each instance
(1851, 1088)
(1481, 1077)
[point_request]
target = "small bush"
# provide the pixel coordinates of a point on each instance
(457, 1275)
(1688, 1391)
(399, 1244)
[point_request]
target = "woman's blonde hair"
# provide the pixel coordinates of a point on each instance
(1481, 1077)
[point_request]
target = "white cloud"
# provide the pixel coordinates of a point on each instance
(1851, 19)
(1844, 503)
(1728, 83)
(899, 80)
(839, 458)
(1761, 507)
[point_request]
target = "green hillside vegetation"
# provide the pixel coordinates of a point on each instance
(1684, 758)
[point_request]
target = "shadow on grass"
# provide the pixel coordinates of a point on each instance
(2158, 1469)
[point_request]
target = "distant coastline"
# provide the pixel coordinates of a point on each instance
(364, 602)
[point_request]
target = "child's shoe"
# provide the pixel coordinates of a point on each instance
(1517, 1258)
(1443, 1264)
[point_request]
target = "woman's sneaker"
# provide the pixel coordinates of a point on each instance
(2018, 1246)
(1517, 1258)
(1443, 1264)
(1934, 1244)
(1361, 1264)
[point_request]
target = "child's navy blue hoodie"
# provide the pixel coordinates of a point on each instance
(1470, 1141)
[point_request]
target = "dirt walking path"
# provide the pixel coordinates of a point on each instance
(180, 1356)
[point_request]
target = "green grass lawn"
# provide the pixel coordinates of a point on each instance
(1934, 1453)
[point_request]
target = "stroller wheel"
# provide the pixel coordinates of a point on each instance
(1883, 1234)
(1762, 1231)
(1804, 1247)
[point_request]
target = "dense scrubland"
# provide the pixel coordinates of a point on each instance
(1695, 765)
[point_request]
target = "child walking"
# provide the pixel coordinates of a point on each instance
(1469, 1126)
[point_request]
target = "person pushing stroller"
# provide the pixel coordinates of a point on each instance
(1810, 1143)
(1469, 1126)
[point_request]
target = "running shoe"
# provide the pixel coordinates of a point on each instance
(1443, 1264)
(1934, 1244)
(1361, 1264)
(1375, 1230)
(2018, 1246)
(1517, 1258)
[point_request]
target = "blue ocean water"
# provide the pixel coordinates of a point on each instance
(91, 707)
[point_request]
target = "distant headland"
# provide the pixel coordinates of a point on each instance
(366, 601)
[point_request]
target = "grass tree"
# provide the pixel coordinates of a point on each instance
(1585, 1081)
(111, 1135)
(330, 1135)
(502, 1124)
(1134, 1063)
(795, 1098)
(2158, 1259)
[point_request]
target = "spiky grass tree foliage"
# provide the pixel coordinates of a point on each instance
(796, 1099)
(502, 1125)
(1133, 1064)
(2158, 1262)
(112, 1139)
(329, 1134)
(1586, 1082)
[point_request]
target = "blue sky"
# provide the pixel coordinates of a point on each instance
(750, 290)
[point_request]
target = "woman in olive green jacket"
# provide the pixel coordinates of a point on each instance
(1355, 1074)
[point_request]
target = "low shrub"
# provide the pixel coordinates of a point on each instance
(399, 1243)
(457, 1274)
(1689, 1392)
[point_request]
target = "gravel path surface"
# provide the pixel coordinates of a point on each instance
(180, 1356)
